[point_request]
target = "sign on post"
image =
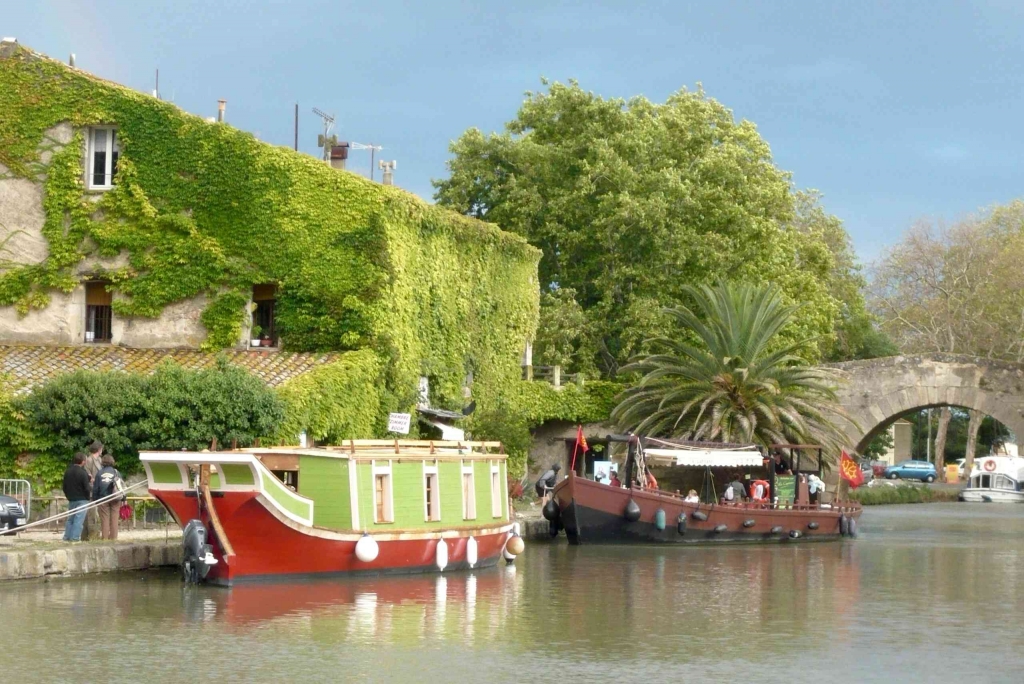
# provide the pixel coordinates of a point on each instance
(399, 422)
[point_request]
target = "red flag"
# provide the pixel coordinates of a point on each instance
(580, 446)
(850, 471)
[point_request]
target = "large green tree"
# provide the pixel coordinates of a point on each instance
(631, 201)
(739, 383)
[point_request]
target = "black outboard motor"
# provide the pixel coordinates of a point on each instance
(197, 556)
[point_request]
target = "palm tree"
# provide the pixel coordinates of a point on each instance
(740, 383)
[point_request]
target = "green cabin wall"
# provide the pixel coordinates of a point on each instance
(408, 496)
(325, 481)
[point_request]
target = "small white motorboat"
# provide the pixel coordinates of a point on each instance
(996, 479)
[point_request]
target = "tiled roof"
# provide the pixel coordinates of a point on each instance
(30, 366)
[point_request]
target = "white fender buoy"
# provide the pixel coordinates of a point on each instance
(471, 552)
(442, 554)
(515, 529)
(509, 558)
(367, 549)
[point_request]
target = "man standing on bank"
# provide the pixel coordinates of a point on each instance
(76, 489)
(106, 483)
(91, 530)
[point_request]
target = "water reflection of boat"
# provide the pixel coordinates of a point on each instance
(591, 511)
(251, 603)
(371, 507)
(996, 479)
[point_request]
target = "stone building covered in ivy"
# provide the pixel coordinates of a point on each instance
(129, 224)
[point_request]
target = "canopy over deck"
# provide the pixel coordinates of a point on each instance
(709, 458)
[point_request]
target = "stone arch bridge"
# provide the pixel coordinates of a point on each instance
(876, 392)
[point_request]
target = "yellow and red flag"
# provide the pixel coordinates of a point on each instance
(850, 471)
(580, 446)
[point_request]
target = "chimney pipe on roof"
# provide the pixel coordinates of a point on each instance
(221, 104)
(339, 154)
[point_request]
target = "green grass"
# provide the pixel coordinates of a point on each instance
(902, 494)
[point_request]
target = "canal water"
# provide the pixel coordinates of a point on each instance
(929, 593)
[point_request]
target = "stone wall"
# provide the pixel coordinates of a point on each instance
(63, 321)
(549, 445)
(85, 559)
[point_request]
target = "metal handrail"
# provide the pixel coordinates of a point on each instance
(20, 490)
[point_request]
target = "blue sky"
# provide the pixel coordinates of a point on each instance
(895, 111)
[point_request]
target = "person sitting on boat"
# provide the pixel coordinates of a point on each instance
(781, 467)
(652, 483)
(547, 482)
(615, 481)
(692, 497)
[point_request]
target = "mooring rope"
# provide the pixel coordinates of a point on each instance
(91, 504)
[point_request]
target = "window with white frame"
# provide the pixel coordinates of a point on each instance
(495, 490)
(468, 493)
(383, 505)
(104, 150)
(431, 493)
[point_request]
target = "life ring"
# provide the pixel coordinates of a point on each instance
(990, 465)
(759, 487)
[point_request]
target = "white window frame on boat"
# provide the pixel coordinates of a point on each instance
(389, 499)
(496, 490)
(435, 499)
(468, 504)
(109, 147)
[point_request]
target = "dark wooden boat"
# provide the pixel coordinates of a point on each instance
(591, 512)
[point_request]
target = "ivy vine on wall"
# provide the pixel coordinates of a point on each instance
(203, 209)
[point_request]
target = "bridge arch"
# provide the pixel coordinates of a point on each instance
(876, 392)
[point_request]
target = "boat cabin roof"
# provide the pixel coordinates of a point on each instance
(354, 449)
(1001, 465)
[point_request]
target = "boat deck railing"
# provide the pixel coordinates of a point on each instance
(764, 506)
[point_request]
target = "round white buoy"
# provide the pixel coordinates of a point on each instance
(442, 554)
(515, 529)
(471, 552)
(509, 558)
(367, 549)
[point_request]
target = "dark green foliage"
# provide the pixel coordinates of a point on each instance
(991, 434)
(172, 409)
(525, 405)
(901, 494)
(879, 446)
(739, 383)
(631, 201)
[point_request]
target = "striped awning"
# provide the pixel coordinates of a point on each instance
(705, 458)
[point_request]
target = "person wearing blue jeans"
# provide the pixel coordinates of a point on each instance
(77, 489)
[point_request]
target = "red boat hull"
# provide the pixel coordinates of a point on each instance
(269, 548)
(591, 512)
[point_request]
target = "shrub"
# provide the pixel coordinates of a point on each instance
(902, 494)
(172, 409)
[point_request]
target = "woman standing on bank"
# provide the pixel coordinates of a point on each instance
(106, 482)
